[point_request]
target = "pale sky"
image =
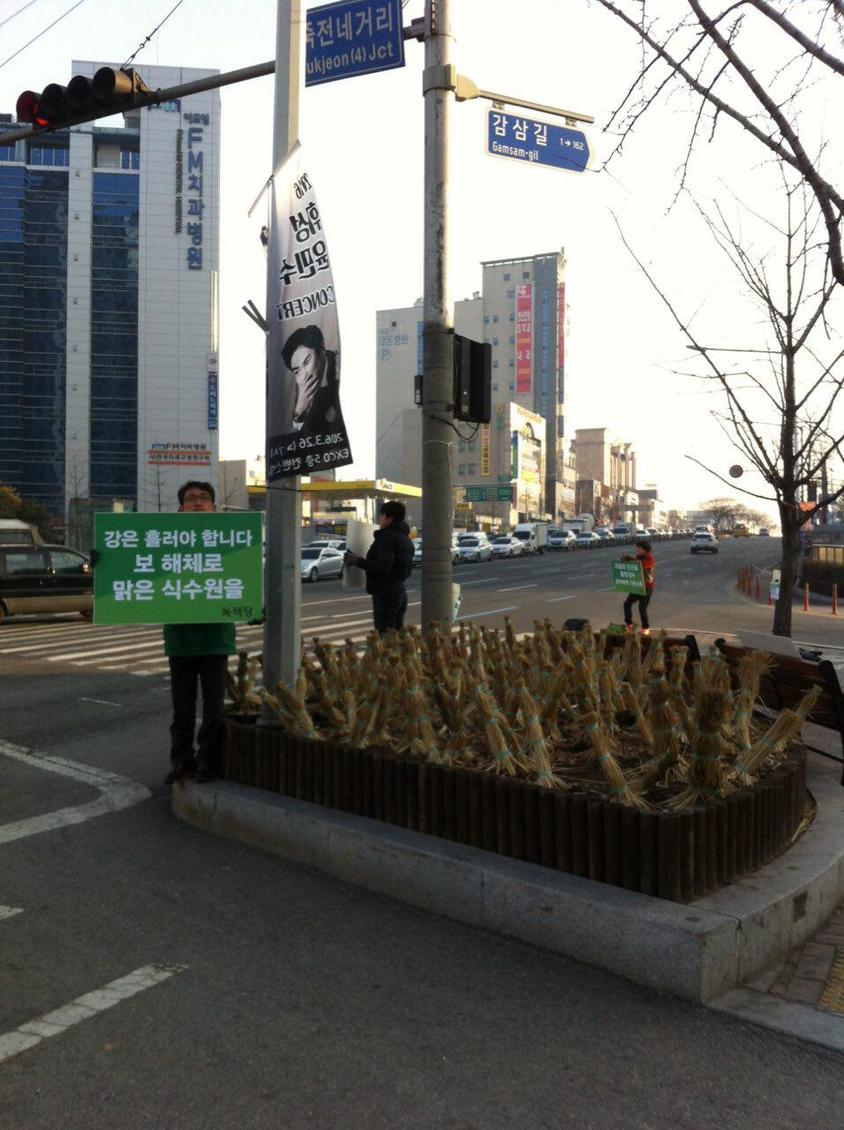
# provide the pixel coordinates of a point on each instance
(364, 140)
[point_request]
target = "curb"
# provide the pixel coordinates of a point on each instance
(699, 951)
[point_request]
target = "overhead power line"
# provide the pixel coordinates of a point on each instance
(8, 19)
(49, 27)
(144, 42)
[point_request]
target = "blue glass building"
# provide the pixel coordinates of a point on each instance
(109, 255)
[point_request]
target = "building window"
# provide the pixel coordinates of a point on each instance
(495, 388)
(525, 274)
(495, 341)
(511, 294)
(513, 316)
(512, 385)
(507, 277)
(394, 324)
(472, 469)
(486, 319)
(461, 469)
(462, 445)
(7, 152)
(48, 155)
(511, 362)
(512, 339)
(495, 364)
(495, 317)
(130, 159)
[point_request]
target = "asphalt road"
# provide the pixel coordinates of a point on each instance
(694, 593)
(291, 1000)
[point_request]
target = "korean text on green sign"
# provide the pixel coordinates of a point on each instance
(627, 576)
(177, 568)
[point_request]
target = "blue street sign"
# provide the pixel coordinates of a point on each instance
(353, 37)
(538, 143)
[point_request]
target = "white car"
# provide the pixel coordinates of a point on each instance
(417, 552)
(321, 561)
(587, 539)
(604, 534)
(506, 546)
(704, 543)
(474, 547)
(561, 539)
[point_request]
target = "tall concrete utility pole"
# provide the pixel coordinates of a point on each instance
(437, 369)
(282, 582)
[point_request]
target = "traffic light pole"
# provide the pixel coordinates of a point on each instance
(282, 582)
(438, 352)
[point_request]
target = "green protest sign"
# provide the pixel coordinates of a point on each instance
(627, 576)
(177, 568)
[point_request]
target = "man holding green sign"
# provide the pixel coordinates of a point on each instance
(197, 575)
(635, 576)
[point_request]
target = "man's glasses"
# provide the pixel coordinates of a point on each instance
(198, 498)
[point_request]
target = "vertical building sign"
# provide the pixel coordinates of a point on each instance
(561, 326)
(485, 449)
(524, 337)
(213, 392)
(194, 193)
(305, 428)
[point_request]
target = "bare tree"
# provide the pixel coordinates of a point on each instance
(723, 512)
(782, 395)
(755, 63)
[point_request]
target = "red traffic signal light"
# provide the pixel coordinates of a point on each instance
(110, 92)
(28, 107)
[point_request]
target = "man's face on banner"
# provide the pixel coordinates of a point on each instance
(308, 366)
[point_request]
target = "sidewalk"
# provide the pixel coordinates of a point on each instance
(803, 995)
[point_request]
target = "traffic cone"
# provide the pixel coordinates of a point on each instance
(806, 597)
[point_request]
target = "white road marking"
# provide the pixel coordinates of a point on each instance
(491, 612)
(100, 701)
(484, 581)
(81, 658)
(557, 599)
(83, 1008)
(513, 588)
(116, 792)
(10, 911)
(334, 600)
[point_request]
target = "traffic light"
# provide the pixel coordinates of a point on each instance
(472, 380)
(109, 92)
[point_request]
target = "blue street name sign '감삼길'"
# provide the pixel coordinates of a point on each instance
(353, 37)
(538, 143)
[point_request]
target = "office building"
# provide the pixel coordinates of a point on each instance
(109, 258)
(521, 313)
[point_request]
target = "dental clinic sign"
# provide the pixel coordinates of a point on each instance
(353, 37)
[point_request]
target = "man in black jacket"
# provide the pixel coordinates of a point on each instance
(387, 565)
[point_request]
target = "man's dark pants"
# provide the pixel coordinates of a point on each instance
(388, 609)
(186, 671)
(644, 601)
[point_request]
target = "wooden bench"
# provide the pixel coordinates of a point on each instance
(786, 683)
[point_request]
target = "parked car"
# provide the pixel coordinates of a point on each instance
(704, 543)
(740, 530)
(604, 534)
(506, 546)
(321, 561)
(44, 578)
(764, 534)
(474, 547)
(417, 552)
(327, 543)
(622, 533)
(587, 539)
(561, 539)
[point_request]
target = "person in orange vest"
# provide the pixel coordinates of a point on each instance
(646, 560)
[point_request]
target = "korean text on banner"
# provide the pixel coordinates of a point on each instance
(524, 337)
(177, 568)
(627, 576)
(305, 428)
